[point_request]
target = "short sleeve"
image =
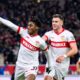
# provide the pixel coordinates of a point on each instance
(70, 37)
(21, 30)
(47, 36)
(43, 45)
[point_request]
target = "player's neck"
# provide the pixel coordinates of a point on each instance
(34, 34)
(58, 31)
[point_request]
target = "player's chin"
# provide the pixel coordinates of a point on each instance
(30, 32)
(55, 28)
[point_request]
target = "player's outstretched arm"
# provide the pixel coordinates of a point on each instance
(8, 24)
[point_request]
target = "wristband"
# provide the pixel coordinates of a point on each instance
(65, 55)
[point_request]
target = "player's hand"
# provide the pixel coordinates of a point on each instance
(60, 59)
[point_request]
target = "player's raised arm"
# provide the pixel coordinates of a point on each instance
(8, 24)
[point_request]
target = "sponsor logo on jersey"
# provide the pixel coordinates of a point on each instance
(28, 45)
(59, 44)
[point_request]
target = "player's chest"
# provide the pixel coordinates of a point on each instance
(58, 38)
(29, 42)
(59, 41)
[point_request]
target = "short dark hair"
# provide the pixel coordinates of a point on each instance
(36, 21)
(58, 16)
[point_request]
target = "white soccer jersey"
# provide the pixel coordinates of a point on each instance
(29, 48)
(59, 45)
(29, 45)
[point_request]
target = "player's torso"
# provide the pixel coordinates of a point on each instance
(30, 43)
(29, 49)
(58, 42)
(58, 45)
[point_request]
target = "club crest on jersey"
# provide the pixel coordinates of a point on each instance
(62, 38)
(52, 38)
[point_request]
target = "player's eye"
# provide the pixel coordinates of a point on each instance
(54, 21)
(30, 25)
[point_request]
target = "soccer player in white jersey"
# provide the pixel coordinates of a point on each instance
(27, 62)
(62, 46)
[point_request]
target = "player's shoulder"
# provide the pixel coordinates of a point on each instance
(40, 38)
(67, 32)
(48, 32)
(22, 28)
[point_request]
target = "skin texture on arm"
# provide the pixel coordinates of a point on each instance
(72, 52)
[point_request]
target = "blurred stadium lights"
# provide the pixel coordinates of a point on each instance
(45, 0)
(38, 1)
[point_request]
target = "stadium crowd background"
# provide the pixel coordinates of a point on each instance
(20, 11)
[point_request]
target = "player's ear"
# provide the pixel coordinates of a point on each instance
(37, 28)
(62, 22)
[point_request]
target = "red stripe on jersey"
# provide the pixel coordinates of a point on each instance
(18, 29)
(28, 45)
(62, 44)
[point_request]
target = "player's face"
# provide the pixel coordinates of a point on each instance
(56, 23)
(32, 28)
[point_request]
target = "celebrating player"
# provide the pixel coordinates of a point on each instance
(27, 62)
(62, 46)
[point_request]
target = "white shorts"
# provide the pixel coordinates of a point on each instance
(22, 72)
(54, 72)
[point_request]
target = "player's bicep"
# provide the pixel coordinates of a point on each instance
(74, 47)
(72, 42)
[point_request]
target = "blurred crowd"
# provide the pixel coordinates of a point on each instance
(20, 11)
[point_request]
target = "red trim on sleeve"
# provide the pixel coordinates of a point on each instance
(18, 29)
(72, 42)
(46, 48)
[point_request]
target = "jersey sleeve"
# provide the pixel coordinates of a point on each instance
(11, 25)
(46, 35)
(21, 30)
(43, 45)
(71, 37)
(8, 24)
